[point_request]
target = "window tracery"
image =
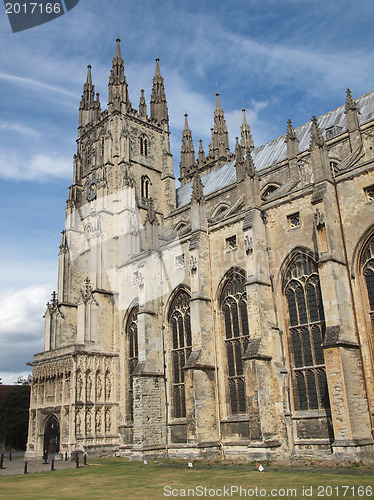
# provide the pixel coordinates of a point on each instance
(306, 334)
(179, 320)
(234, 309)
(132, 359)
(368, 274)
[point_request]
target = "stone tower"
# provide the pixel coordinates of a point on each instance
(232, 316)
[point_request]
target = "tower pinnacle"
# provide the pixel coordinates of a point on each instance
(220, 137)
(89, 108)
(187, 150)
(159, 109)
(316, 139)
(245, 134)
(118, 91)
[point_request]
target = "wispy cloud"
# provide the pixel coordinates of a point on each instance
(35, 83)
(19, 128)
(39, 168)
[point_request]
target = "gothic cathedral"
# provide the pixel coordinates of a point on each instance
(229, 317)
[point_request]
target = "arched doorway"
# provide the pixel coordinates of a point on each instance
(51, 435)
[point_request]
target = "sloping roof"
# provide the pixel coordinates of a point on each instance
(276, 150)
(212, 181)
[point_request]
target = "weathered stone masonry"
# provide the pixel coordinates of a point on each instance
(232, 316)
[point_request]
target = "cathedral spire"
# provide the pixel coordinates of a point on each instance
(245, 133)
(350, 104)
(187, 150)
(142, 106)
(353, 122)
(318, 153)
(291, 141)
(89, 76)
(89, 108)
(220, 137)
(316, 138)
(118, 90)
(118, 49)
(201, 153)
(197, 189)
(159, 109)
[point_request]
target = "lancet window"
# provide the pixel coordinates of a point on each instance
(306, 334)
(144, 145)
(179, 320)
(132, 353)
(145, 185)
(234, 309)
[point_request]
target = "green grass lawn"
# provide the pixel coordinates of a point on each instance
(116, 478)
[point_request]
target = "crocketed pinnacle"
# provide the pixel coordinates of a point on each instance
(197, 189)
(316, 139)
(245, 133)
(350, 104)
(159, 109)
(187, 149)
(142, 105)
(118, 90)
(290, 135)
(220, 137)
(201, 153)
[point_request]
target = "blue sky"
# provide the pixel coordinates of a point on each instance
(279, 59)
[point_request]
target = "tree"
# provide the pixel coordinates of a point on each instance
(14, 416)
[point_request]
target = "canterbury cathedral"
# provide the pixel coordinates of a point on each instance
(231, 316)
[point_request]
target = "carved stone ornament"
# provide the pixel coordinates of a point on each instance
(52, 369)
(53, 306)
(319, 219)
(86, 293)
(248, 245)
(193, 264)
(140, 280)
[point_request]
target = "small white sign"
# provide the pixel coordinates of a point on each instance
(145, 462)
(190, 464)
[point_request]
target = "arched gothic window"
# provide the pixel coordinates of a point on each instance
(306, 333)
(234, 309)
(132, 354)
(179, 320)
(368, 273)
(145, 185)
(144, 145)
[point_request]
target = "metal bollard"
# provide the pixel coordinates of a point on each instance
(52, 464)
(85, 459)
(2, 461)
(10, 456)
(25, 468)
(77, 461)
(66, 456)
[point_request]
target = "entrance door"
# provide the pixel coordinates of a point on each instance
(52, 435)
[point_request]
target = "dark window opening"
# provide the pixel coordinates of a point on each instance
(368, 273)
(234, 309)
(132, 355)
(306, 333)
(179, 320)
